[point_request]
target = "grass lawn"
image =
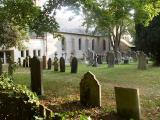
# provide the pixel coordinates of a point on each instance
(62, 89)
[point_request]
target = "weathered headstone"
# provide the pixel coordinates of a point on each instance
(110, 59)
(27, 62)
(74, 65)
(36, 76)
(1, 67)
(126, 60)
(30, 61)
(55, 63)
(24, 63)
(44, 62)
(142, 62)
(62, 64)
(49, 63)
(19, 61)
(119, 57)
(95, 63)
(10, 67)
(99, 59)
(90, 90)
(127, 102)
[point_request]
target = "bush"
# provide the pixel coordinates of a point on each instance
(16, 101)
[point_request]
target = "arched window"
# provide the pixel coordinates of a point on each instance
(93, 44)
(63, 43)
(80, 44)
(104, 45)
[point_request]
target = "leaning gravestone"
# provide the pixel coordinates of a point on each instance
(55, 63)
(36, 76)
(127, 101)
(142, 62)
(49, 63)
(110, 59)
(90, 90)
(74, 65)
(44, 62)
(1, 67)
(62, 64)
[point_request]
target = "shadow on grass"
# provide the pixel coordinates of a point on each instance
(76, 106)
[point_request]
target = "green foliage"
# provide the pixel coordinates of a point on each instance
(148, 39)
(10, 35)
(17, 91)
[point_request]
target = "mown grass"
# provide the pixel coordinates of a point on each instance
(62, 88)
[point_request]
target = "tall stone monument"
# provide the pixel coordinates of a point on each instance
(36, 76)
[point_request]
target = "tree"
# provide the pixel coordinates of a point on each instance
(10, 35)
(18, 17)
(114, 17)
(148, 39)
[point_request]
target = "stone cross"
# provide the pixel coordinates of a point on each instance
(90, 90)
(142, 62)
(110, 59)
(127, 102)
(36, 76)
(74, 65)
(49, 63)
(62, 64)
(44, 62)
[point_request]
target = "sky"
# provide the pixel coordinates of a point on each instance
(63, 18)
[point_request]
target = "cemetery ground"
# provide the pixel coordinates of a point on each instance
(62, 89)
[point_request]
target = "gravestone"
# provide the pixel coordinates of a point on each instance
(95, 63)
(126, 60)
(110, 59)
(74, 65)
(36, 76)
(142, 62)
(119, 57)
(62, 64)
(27, 62)
(1, 67)
(44, 62)
(134, 56)
(30, 61)
(55, 63)
(99, 59)
(127, 102)
(24, 63)
(49, 63)
(10, 67)
(19, 61)
(90, 90)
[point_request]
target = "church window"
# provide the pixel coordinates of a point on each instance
(22, 53)
(104, 45)
(63, 43)
(34, 52)
(39, 53)
(80, 43)
(93, 44)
